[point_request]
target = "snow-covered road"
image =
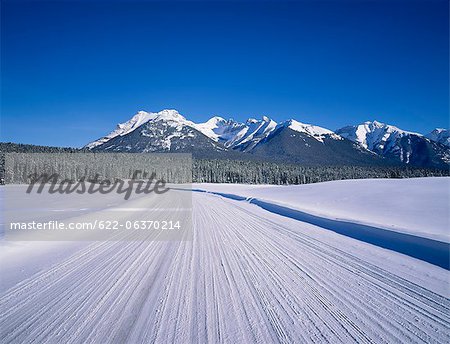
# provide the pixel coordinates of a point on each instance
(246, 276)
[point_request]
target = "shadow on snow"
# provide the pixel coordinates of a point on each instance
(428, 250)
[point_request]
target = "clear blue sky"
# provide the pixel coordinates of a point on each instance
(71, 70)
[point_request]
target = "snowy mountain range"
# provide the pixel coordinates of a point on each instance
(397, 144)
(440, 135)
(369, 143)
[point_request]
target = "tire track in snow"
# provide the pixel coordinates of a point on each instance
(440, 301)
(244, 277)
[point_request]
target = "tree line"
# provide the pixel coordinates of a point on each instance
(256, 172)
(203, 170)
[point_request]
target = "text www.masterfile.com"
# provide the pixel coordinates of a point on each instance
(97, 224)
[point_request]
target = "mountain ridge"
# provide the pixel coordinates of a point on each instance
(370, 142)
(391, 142)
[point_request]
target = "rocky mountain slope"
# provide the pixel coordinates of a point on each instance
(369, 143)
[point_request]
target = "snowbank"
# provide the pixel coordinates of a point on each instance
(419, 206)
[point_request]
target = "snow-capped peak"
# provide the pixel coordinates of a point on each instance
(140, 118)
(375, 123)
(313, 130)
(392, 142)
(440, 130)
(372, 125)
(234, 134)
(374, 135)
(216, 119)
(217, 128)
(256, 131)
(124, 128)
(137, 120)
(172, 115)
(212, 123)
(440, 135)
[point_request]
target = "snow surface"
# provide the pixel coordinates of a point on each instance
(419, 206)
(247, 276)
